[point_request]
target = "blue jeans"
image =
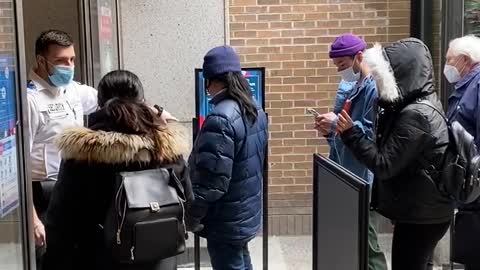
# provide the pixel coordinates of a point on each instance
(227, 256)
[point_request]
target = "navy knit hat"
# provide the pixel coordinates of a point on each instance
(220, 60)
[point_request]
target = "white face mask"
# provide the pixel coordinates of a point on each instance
(451, 74)
(349, 75)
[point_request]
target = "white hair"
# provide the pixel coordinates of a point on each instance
(468, 46)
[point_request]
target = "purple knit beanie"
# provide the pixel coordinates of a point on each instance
(347, 45)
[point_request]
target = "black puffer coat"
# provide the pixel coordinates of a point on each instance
(92, 158)
(409, 137)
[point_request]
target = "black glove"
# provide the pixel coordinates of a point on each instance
(194, 226)
(196, 210)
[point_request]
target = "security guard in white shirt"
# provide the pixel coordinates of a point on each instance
(55, 102)
(51, 110)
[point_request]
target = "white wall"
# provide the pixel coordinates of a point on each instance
(164, 41)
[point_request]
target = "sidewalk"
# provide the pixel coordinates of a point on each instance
(10, 256)
(285, 253)
(295, 252)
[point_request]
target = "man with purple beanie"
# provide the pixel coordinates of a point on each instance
(347, 54)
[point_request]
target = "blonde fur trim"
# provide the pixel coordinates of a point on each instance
(98, 146)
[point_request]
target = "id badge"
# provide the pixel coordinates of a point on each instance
(56, 110)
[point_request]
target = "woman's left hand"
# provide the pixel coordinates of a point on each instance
(344, 122)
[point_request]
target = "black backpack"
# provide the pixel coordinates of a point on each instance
(459, 176)
(146, 220)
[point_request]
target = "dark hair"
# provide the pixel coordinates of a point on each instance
(120, 95)
(238, 88)
(52, 37)
(121, 84)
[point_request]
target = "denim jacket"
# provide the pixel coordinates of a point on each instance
(363, 96)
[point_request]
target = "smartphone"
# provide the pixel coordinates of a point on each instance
(313, 112)
(347, 106)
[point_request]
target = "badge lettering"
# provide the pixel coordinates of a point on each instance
(56, 110)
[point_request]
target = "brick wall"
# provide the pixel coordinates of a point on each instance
(6, 26)
(291, 39)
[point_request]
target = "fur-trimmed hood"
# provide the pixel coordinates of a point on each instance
(110, 147)
(403, 71)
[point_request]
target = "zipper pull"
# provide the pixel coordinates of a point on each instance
(119, 241)
(132, 257)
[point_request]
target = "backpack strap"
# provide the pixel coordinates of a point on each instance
(182, 198)
(430, 168)
(177, 184)
(429, 104)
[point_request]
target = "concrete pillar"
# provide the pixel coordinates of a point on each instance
(164, 41)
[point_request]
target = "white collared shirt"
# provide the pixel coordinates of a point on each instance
(50, 111)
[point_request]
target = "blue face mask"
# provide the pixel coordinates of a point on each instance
(62, 75)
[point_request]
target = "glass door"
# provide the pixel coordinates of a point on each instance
(472, 17)
(12, 222)
(104, 38)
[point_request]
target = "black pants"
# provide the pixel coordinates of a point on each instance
(466, 238)
(413, 244)
(41, 192)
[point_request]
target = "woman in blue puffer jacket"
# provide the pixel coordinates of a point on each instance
(226, 164)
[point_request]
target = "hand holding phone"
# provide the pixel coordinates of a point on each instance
(318, 117)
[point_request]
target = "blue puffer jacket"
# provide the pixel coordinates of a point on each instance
(226, 170)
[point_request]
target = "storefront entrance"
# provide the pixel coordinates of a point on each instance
(93, 24)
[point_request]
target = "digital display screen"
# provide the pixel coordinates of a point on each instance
(254, 76)
(340, 217)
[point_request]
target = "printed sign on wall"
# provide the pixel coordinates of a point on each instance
(9, 197)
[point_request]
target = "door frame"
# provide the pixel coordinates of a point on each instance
(452, 27)
(86, 40)
(23, 150)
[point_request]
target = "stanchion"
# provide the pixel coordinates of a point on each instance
(196, 252)
(196, 238)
